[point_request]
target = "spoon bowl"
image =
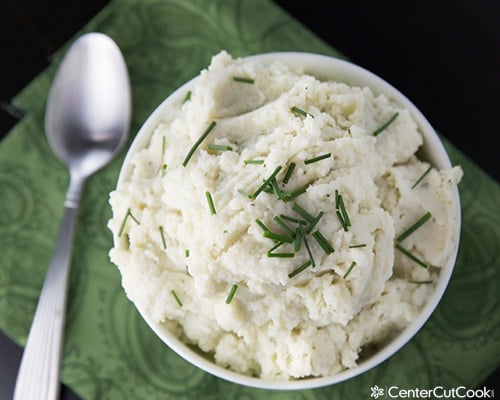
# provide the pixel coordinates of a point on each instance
(87, 122)
(88, 107)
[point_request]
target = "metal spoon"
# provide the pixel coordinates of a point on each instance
(87, 122)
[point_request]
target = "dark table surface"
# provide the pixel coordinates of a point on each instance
(443, 55)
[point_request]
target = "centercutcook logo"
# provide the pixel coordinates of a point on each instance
(377, 392)
(437, 392)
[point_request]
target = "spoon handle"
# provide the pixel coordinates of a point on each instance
(38, 375)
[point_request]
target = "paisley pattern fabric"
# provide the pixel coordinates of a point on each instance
(109, 351)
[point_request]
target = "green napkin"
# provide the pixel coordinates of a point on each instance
(109, 351)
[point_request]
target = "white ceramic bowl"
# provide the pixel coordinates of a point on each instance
(323, 67)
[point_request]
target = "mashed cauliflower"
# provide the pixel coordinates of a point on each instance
(264, 220)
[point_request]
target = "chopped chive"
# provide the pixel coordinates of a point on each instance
(162, 234)
(411, 256)
(303, 213)
(287, 196)
(261, 225)
(422, 177)
(288, 172)
(325, 245)
(379, 130)
(357, 246)
(271, 252)
(298, 239)
(198, 142)
(337, 201)
(414, 227)
(313, 263)
(278, 237)
(269, 189)
(176, 297)
(275, 188)
(315, 222)
(210, 202)
(230, 296)
(341, 220)
(253, 162)
(219, 147)
(292, 219)
(318, 158)
(282, 223)
(243, 79)
(424, 282)
(280, 255)
(343, 210)
(277, 245)
(299, 269)
(353, 264)
(300, 111)
(266, 182)
(122, 226)
(187, 97)
(186, 253)
(345, 216)
(132, 216)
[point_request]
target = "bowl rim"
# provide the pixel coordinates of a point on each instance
(322, 67)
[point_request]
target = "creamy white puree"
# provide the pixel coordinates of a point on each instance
(179, 260)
